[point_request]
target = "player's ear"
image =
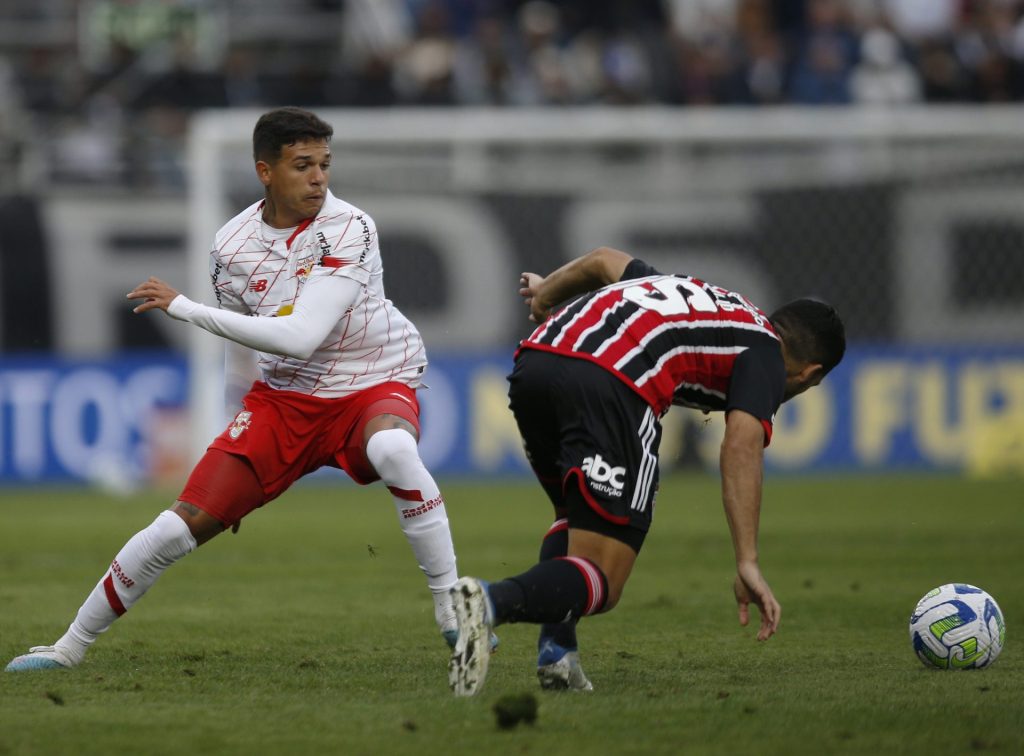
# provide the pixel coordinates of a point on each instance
(812, 373)
(263, 172)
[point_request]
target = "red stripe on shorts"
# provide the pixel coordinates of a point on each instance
(591, 501)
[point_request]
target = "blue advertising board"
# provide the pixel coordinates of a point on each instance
(885, 408)
(64, 420)
(922, 408)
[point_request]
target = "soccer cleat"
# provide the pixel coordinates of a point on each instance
(451, 636)
(448, 622)
(40, 657)
(467, 668)
(559, 668)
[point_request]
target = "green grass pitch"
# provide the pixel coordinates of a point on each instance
(311, 631)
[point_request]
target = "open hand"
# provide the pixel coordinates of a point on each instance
(158, 295)
(751, 587)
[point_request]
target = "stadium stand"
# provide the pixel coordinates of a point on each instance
(108, 85)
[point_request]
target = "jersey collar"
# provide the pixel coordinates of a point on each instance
(303, 225)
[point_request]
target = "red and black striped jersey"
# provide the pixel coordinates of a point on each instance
(674, 339)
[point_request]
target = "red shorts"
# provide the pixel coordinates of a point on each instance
(285, 435)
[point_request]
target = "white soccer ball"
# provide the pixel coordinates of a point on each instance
(957, 626)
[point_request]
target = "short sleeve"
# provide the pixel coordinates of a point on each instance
(638, 269)
(758, 384)
(227, 297)
(349, 246)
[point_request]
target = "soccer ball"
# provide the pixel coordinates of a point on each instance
(957, 626)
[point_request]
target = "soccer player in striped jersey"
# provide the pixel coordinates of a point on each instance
(588, 389)
(336, 365)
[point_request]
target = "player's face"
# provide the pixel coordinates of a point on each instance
(296, 182)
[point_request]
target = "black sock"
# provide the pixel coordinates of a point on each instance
(554, 591)
(556, 544)
(556, 541)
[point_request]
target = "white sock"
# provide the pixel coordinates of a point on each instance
(135, 568)
(421, 512)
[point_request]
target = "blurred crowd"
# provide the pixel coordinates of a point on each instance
(109, 84)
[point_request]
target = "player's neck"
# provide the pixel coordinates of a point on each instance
(277, 217)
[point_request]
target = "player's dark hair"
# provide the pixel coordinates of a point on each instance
(283, 127)
(812, 332)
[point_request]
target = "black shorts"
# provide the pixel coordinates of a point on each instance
(589, 438)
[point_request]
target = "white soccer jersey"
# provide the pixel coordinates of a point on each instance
(256, 272)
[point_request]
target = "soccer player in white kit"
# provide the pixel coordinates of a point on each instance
(298, 277)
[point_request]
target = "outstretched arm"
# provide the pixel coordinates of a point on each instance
(324, 301)
(742, 463)
(597, 268)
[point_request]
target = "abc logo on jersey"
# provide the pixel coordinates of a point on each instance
(603, 477)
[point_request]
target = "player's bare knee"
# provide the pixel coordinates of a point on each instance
(614, 594)
(608, 605)
(202, 526)
(387, 422)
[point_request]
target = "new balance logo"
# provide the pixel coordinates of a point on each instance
(259, 285)
(603, 477)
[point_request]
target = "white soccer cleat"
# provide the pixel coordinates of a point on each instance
(40, 657)
(448, 623)
(564, 674)
(558, 668)
(468, 666)
(451, 637)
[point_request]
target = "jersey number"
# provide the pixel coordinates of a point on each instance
(671, 296)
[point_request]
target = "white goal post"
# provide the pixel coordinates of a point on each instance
(506, 182)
